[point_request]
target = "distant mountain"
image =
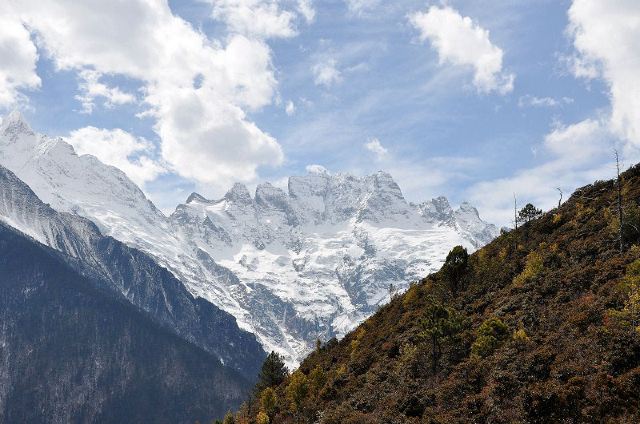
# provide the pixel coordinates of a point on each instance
(542, 325)
(291, 266)
(73, 351)
(132, 274)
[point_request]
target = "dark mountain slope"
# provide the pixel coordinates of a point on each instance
(133, 274)
(72, 352)
(543, 328)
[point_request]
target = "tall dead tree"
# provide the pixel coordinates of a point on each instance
(515, 211)
(620, 215)
(560, 191)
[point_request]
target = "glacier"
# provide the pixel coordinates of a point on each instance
(292, 266)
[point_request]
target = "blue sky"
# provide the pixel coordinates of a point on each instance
(471, 100)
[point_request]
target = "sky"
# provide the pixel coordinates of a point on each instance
(474, 100)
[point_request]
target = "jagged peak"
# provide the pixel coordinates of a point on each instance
(238, 193)
(468, 208)
(195, 197)
(268, 189)
(15, 123)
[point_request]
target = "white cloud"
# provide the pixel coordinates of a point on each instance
(374, 146)
(120, 149)
(306, 9)
(605, 35)
(576, 155)
(18, 57)
(290, 108)
(195, 88)
(550, 102)
(316, 169)
(359, 7)
(460, 41)
(91, 88)
(326, 72)
(260, 18)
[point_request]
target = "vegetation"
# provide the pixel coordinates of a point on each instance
(541, 325)
(529, 213)
(273, 372)
(455, 266)
(440, 325)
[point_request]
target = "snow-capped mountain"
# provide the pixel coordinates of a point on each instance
(131, 275)
(292, 266)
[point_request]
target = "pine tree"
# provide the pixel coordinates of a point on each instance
(273, 372)
(439, 325)
(529, 213)
(455, 265)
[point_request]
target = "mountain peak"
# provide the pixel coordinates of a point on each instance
(195, 197)
(239, 194)
(15, 123)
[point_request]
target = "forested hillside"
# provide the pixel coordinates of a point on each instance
(541, 325)
(72, 350)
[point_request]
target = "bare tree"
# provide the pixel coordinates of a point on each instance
(515, 211)
(620, 215)
(559, 201)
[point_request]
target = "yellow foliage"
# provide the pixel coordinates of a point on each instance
(262, 418)
(520, 336)
(411, 295)
(317, 379)
(297, 390)
(532, 268)
(632, 305)
(557, 218)
(504, 252)
(268, 400)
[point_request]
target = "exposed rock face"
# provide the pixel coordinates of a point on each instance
(73, 351)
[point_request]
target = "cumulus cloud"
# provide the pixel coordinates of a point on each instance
(306, 9)
(196, 89)
(120, 149)
(375, 147)
(462, 42)
(91, 88)
(258, 18)
(18, 57)
(605, 35)
(262, 18)
(326, 72)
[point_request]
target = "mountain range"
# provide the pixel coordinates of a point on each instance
(291, 266)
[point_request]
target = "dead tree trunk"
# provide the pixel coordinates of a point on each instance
(515, 211)
(620, 215)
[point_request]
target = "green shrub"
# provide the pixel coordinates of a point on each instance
(532, 268)
(490, 336)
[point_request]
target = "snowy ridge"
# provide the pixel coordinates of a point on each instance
(292, 266)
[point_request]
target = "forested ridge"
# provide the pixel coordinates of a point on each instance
(541, 325)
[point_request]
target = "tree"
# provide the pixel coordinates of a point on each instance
(455, 265)
(491, 334)
(229, 419)
(297, 390)
(620, 215)
(268, 400)
(529, 213)
(262, 418)
(439, 325)
(317, 379)
(273, 372)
